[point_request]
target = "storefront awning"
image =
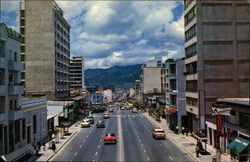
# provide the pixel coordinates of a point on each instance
(239, 144)
(171, 110)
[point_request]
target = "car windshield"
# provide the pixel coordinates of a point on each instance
(110, 134)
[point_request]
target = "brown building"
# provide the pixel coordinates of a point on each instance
(216, 55)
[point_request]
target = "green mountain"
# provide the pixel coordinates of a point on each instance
(116, 75)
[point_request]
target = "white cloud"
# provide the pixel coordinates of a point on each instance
(104, 38)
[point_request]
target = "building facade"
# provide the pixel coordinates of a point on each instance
(175, 94)
(11, 90)
(108, 95)
(45, 50)
(216, 55)
(97, 98)
(77, 81)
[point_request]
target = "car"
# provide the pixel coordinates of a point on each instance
(122, 108)
(106, 116)
(109, 138)
(91, 119)
(100, 124)
(134, 110)
(158, 133)
(111, 110)
(85, 123)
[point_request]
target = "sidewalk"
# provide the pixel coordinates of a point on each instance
(48, 153)
(187, 143)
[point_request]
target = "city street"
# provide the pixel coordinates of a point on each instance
(134, 142)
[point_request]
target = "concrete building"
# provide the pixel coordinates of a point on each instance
(77, 81)
(175, 94)
(96, 98)
(108, 95)
(45, 49)
(11, 90)
(131, 92)
(137, 87)
(216, 56)
(236, 127)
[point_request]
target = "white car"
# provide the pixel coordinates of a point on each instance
(134, 110)
(85, 123)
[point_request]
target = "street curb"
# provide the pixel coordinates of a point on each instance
(174, 141)
(61, 146)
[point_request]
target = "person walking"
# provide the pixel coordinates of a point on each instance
(53, 147)
(183, 130)
(197, 150)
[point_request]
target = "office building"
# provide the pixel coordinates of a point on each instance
(77, 73)
(45, 50)
(216, 56)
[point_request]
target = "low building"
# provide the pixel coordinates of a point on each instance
(108, 95)
(131, 92)
(235, 126)
(175, 94)
(97, 98)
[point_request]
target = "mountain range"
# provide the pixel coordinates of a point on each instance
(116, 75)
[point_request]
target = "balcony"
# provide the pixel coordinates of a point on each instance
(2, 62)
(2, 118)
(15, 90)
(2, 90)
(15, 114)
(14, 65)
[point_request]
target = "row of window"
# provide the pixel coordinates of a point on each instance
(191, 86)
(191, 68)
(190, 33)
(187, 3)
(190, 15)
(191, 101)
(191, 50)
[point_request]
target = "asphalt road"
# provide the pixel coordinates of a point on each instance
(134, 142)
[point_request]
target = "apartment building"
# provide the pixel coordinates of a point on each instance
(175, 94)
(77, 81)
(45, 50)
(10, 90)
(216, 56)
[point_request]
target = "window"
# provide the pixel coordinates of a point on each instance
(187, 3)
(22, 49)
(10, 104)
(190, 50)
(24, 129)
(15, 56)
(191, 86)
(191, 68)
(22, 13)
(190, 15)
(22, 22)
(34, 124)
(190, 33)
(17, 131)
(191, 101)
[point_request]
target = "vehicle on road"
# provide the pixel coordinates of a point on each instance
(85, 123)
(110, 138)
(91, 119)
(100, 124)
(106, 116)
(111, 110)
(159, 133)
(134, 110)
(122, 108)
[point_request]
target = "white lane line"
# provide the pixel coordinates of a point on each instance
(120, 140)
(96, 154)
(144, 150)
(148, 158)
(98, 146)
(84, 141)
(87, 136)
(100, 140)
(80, 146)
(171, 158)
(75, 154)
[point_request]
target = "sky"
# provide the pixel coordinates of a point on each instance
(109, 33)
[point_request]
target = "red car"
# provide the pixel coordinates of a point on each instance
(110, 138)
(106, 116)
(159, 133)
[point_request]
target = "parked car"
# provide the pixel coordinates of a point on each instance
(134, 110)
(100, 124)
(91, 119)
(106, 116)
(111, 110)
(159, 134)
(85, 123)
(110, 138)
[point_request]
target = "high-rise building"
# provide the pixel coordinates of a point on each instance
(217, 56)
(45, 50)
(10, 90)
(77, 81)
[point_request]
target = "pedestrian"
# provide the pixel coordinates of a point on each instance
(44, 147)
(197, 150)
(186, 131)
(183, 130)
(53, 147)
(176, 129)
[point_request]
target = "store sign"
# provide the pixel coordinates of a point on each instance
(221, 111)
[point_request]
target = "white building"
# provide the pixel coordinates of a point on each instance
(11, 113)
(131, 92)
(108, 95)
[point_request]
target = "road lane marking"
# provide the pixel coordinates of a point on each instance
(100, 140)
(171, 158)
(75, 154)
(144, 150)
(87, 136)
(120, 140)
(98, 146)
(84, 141)
(80, 146)
(96, 154)
(148, 158)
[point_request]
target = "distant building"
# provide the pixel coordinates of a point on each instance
(175, 94)
(131, 92)
(137, 87)
(108, 95)
(92, 89)
(77, 81)
(11, 113)
(45, 49)
(128, 85)
(97, 98)
(216, 56)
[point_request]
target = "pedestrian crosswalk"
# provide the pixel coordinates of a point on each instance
(118, 115)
